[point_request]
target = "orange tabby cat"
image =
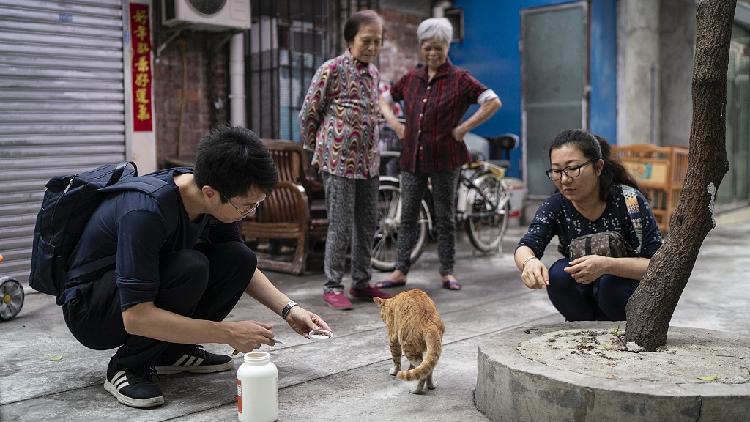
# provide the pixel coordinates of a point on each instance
(414, 327)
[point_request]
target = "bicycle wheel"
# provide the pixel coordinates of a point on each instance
(385, 246)
(487, 213)
(11, 298)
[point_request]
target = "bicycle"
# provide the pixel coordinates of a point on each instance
(482, 208)
(486, 205)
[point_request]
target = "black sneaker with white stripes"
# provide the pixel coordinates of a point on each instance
(133, 387)
(192, 359)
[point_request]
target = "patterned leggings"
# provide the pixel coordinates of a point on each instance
(413, 187)
(346, 198)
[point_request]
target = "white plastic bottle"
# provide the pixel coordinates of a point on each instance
(257, 389)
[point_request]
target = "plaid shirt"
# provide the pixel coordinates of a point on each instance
(339, 118)
(432, 110)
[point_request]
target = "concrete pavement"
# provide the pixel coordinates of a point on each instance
(46, 375)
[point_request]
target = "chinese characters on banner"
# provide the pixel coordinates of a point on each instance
(141, 67)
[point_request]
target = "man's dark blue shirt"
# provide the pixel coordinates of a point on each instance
(131, 226)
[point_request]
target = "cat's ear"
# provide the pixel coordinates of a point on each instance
(379, 301)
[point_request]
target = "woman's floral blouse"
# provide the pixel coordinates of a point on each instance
(339, 118)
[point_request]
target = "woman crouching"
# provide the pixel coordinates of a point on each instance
(606, 229)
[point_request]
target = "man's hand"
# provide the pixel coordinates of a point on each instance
(458, 133)
(588, 268)
(245, 336)
(535, 275)
(303, 321)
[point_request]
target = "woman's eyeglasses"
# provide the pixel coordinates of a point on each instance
(244, 212)
(570, 172)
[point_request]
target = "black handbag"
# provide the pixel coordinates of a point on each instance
(603, 244)
(610, 244)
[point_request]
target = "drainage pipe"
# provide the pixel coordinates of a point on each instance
(237, 80)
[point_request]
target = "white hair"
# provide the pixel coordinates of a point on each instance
(437, 28)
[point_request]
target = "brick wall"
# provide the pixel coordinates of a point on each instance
(190, 91)
(400, 52)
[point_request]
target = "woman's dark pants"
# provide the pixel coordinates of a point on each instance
(602, 300)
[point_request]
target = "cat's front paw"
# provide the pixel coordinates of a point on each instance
(417, 390)
(394, 371)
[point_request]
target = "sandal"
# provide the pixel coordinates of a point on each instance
(451, 285)
(387, 284)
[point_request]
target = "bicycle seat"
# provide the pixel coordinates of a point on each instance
(506, 141)
(500, 147)
(476, 156)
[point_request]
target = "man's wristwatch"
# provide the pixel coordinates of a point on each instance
(287, 308)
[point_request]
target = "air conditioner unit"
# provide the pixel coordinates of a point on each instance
(212, 15)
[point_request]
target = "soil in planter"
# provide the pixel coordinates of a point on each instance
(686, 359)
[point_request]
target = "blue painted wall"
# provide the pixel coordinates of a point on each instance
(489, 50)
(603, 105)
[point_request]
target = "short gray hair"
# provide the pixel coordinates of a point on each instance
(438, 28)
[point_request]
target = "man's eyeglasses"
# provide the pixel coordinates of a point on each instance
(570, 172)
(244, 212)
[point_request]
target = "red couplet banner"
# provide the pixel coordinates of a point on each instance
(140, 36)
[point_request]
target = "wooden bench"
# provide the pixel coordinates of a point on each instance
(660, 172)
(285, 214)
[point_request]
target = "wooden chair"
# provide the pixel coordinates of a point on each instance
(285, 214)
(660, 172)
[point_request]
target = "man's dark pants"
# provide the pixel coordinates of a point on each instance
(602, 300)
(201, 283)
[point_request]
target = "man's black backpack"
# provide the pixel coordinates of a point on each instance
(67, 206)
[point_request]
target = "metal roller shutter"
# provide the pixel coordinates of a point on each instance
(62, 105)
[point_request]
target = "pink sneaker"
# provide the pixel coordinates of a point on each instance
(337, 300)
(368, 292)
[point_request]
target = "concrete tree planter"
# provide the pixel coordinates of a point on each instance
(560, 373)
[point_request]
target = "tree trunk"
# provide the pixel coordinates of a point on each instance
(651, 307)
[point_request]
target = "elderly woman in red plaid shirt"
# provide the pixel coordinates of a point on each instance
(435, 96)
(338, 119)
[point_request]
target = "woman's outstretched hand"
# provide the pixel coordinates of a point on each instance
(535, 275)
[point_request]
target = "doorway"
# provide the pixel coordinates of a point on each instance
(735, 190)
(555, 77)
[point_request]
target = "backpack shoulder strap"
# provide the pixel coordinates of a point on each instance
(165, 196)
(634, 212)
(168, 200)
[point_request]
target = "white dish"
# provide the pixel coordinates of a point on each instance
(320, 334)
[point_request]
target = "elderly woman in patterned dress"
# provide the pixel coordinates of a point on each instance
(435, 96)
(338, 119)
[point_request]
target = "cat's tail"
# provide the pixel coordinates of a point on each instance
(434, 346)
